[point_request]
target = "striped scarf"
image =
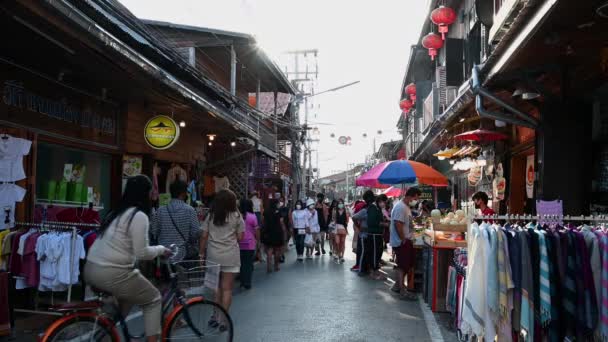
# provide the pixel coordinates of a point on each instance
(570, 295)
(505, 282)
(545, 284)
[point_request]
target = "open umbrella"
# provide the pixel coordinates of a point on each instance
(402, 172)
(392, 192)
(481, 135)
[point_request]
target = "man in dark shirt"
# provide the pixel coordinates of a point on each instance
(322, 212)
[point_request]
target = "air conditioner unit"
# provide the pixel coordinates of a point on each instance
(451, 95)
(504, 18)
(441, 82)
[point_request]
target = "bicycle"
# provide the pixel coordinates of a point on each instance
(97, 320)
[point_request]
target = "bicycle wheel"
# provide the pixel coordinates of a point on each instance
(209, 318)
(81, 328)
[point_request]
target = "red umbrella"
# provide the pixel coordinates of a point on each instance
(481, 135)
(392, 192)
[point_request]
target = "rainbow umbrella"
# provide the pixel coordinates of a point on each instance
(401, 172)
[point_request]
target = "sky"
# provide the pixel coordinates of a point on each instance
(358, 40)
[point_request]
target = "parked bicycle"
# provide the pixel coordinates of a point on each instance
(184, 318)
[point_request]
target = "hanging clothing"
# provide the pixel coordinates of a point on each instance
(12, 151)
(9, 195)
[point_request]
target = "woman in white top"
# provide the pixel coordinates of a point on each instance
(123, 238)
(313, 226)
(299, 218)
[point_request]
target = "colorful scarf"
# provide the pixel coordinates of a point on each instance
(569, 288)
(492, 288)
(603, 240)
(527, 289)
(505, 282)
(545, 284)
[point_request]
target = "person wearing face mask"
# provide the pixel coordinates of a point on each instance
(361, 220)
(299, 219)
(340, 218)
(402, 231)
(313, 226)
(331, 233)
(375, 229)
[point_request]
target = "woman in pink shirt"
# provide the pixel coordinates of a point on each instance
(248, 244)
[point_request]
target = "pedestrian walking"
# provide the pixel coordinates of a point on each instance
(322, 209)
(284, 211)
(299, 218)
(273, 235)
(313, 228)
(331, 232)
(402, 231)
(177, 223)
(362, 222)
(258, 207)
(248, 244)
(340, 218)
(223, 228)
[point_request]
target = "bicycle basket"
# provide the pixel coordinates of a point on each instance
(193, 276)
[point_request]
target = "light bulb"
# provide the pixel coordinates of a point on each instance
(441, 158)
(233, 144)
(452, 162)
(182, 124)
(210, 143)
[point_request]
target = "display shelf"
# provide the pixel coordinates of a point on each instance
(431, 240)
(442, 227)
(67, 204)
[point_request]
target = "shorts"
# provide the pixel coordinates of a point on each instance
(230, 269)
(405, 256)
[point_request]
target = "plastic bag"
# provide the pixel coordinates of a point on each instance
(309, 241)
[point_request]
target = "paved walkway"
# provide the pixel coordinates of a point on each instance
(319, 300)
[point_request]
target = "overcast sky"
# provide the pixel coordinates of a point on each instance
(358, 40)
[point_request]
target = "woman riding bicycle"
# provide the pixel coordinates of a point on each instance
(123, 238)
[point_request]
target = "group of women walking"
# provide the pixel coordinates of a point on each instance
(317, 221)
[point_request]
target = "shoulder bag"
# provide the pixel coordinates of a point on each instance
(192, 252)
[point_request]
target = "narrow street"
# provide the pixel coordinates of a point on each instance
(319, 300)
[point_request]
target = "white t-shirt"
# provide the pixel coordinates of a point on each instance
(257, 204)
(9, 194)
(12, 151)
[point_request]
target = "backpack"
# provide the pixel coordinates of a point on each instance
(374, 218)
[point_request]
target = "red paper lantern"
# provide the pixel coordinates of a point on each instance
(442, 17)
(406, 105)
(410, 90)
(432, 42)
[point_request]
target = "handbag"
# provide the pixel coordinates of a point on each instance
(309, 241)
(192, 252)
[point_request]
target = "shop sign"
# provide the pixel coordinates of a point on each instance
(530, 176)
(161, 132)
(16, 95)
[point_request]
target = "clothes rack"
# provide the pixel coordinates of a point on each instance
(516, 217)
(49, 226)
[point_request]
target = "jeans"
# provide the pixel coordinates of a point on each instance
(247, 257)
(299, 241)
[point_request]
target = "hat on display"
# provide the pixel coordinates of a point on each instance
(310, 202)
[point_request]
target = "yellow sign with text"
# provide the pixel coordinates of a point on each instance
(161, 132)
